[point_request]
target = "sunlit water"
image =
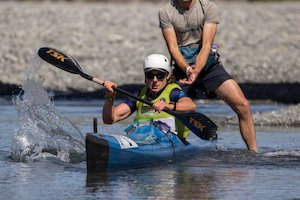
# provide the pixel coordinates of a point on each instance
(36, 122)
(229, 172)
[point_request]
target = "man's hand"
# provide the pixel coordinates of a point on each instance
(192, 75)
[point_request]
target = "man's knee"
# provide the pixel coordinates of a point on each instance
(243, 108)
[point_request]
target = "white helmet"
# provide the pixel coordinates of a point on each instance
(158, 62)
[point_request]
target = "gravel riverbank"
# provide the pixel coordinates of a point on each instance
(260, 41)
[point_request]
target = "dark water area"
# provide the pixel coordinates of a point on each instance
(227, 172)
(276, 92)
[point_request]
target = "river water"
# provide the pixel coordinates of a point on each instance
(228, 172)
(34, 122)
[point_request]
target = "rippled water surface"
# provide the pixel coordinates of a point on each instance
(228, 172)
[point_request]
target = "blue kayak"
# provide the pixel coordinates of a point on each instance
(144, 145)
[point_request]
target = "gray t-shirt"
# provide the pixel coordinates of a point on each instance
(188, 24)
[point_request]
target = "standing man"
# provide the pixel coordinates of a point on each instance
(189, 28)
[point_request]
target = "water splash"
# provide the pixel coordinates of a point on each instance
(295, 153)
(41, 127)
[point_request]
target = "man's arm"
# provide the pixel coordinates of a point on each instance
(209, 32)
(171, 41)
(208, 36)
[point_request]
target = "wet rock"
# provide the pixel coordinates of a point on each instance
(283, 117)
(288, 116)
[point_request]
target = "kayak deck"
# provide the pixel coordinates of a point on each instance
(110, 152)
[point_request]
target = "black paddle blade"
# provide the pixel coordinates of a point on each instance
(199, 124)
(60, 60)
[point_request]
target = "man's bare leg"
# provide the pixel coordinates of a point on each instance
(232, 94)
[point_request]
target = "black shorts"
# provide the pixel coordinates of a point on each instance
(206, 83)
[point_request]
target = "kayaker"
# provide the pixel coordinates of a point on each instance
(159, 89)
(189, 28)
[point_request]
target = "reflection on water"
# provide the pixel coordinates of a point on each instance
(213, 175)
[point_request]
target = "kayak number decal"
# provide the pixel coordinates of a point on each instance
(125, 142)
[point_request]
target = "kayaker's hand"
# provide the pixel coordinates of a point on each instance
(161, 105)
(109, 87)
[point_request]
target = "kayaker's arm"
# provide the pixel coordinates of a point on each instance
(184, 104)
(111, 113)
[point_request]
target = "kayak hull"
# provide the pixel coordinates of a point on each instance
(110, 152)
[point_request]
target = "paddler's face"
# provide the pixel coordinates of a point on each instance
(156, 80)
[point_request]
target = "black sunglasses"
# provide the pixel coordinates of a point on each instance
(160, 75)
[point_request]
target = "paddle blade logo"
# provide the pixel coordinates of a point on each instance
(56, 55)
(197, 124)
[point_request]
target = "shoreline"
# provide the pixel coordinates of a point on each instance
(275, 92)
(287, 117)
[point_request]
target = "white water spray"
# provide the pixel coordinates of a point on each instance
(41, 127)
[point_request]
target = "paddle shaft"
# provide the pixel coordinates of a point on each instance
(198, 123)
(101, 82)
(192, 123)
